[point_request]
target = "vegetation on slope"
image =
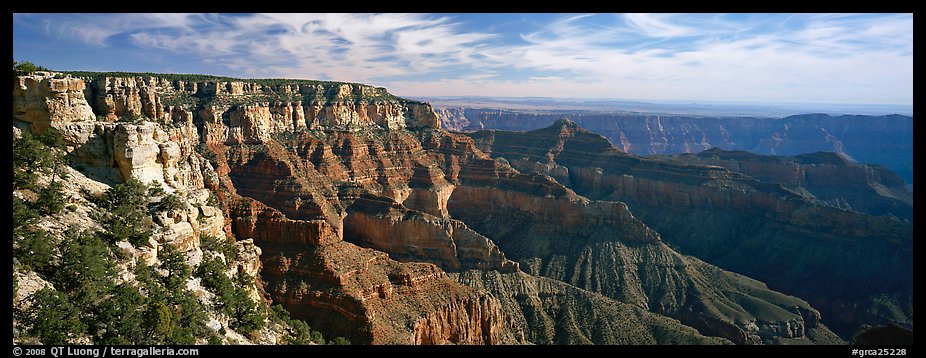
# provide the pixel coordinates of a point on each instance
(92, 290)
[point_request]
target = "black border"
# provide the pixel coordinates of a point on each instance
(484, 6)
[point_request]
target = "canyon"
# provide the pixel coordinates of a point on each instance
(366, 218)
(886, 139)
(798, 242)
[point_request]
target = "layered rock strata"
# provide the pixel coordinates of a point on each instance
(257, 109)
(828, 177)
(362, 294)
(793, 243)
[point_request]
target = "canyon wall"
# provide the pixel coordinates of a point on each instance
(884, 140)
(823, 176)
(787, 239)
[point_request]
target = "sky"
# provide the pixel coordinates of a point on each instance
(785, 58)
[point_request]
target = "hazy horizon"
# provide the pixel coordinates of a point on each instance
(703, 108)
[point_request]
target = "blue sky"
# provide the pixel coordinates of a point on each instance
(809, 58)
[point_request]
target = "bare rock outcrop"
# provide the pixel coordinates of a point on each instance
(408, 235)
(364, 295)
(247, 112)
(42, 99)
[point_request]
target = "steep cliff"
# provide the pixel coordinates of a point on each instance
(42, 99)
(760, 229)
(884, 140)
(300, 204)
(361, 293)
(409, 235)
(255, 109)
(101, 158)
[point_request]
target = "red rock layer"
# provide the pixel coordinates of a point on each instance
(299, 196)
(409, 235)
(361, 293)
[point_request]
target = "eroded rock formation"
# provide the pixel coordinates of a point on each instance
(42, 99)
(761, 229)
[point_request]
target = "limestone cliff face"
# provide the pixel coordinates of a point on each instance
(453, 119)
(242, 112)
(101, 154)
(111, 153)
(42, 99)
(792, 243)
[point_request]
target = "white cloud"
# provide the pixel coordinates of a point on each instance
(659, 25)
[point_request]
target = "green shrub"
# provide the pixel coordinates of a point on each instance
(133, 119)
(246, 314)
(178, 272)
(120, 318)
(171, 202)
(155, 189)
(231, 298)
(128, 216)
(297, 331)
(86, 269)
(35, 248)
(226, 247)
(339, 341)
(52, 138)
(160, 318)
(30, 157)
(214, 340)
(212, 201)
(55, 320)
(25, 68)
(22, 213)
(51, 198)
(213, 278)
(172, 314)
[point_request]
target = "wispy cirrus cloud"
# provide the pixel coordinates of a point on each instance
(780, 57)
